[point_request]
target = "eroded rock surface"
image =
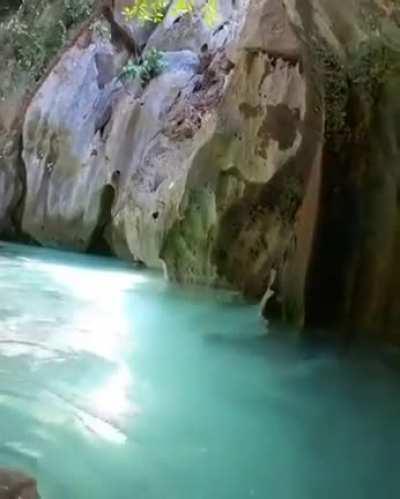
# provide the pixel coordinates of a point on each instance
(231, 232)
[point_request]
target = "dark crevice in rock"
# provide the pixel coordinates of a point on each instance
(98, 243)
(103, 120)
(337, 237)
(351, 283)
(18, 210)
(120, 36)
(11, 228)
(105, 69)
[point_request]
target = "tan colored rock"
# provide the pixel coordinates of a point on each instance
(230, 232)
(152, 167)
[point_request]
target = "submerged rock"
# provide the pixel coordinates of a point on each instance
(17, 485)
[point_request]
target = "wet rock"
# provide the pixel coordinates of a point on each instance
(17, 485)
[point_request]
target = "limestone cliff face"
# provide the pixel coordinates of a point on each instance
(156, 170)
(263, 158)
(30, 42)
(62, 144)
(352, 283)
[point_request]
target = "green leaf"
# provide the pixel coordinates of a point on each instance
(210, 13)
(155, 10)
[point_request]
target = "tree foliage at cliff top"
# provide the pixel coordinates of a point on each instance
(33, 32)
(155, 10)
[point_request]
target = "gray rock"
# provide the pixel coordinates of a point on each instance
(63, 139)
(183, 60)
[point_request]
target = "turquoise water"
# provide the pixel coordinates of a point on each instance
(116, 385)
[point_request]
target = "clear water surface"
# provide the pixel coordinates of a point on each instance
(117, 385)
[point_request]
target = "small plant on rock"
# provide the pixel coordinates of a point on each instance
(336, 89)
(371, 64)
(151, 65)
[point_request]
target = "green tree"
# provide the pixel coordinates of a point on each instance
(155, 10)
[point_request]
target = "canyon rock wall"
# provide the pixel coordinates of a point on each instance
(263, 158)
(30, 43)
(352, 284)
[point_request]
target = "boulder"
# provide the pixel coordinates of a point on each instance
(63, 139)
(30, 42)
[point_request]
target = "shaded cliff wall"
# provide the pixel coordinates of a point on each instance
(352, 283)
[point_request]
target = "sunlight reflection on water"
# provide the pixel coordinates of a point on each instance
(100, 328)
(114, 384)
(96, 325)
